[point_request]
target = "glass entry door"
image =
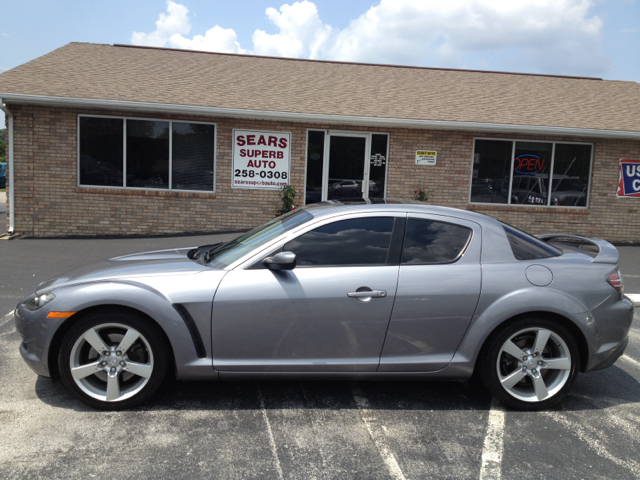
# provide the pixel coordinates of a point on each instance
(345, 165)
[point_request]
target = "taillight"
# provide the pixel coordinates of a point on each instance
(615, 280)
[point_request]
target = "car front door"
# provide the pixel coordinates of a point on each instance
(329, 314)
(438, 290)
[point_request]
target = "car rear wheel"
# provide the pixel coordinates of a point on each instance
(531, 364)
(113, 359)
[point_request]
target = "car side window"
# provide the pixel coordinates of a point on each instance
(359, 241)
(432, 242)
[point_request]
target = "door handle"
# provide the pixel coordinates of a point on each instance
(368, 293)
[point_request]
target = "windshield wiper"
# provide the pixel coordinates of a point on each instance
(206, 250)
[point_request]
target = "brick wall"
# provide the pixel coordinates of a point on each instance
(49, 203)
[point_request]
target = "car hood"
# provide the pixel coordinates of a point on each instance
(568, 193)
(146, 264)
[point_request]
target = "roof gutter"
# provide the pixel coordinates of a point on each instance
(10, 164)
(316, 118)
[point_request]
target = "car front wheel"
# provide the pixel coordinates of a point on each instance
(531, 364)
(113, 359)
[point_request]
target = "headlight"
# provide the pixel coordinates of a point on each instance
(39, 301)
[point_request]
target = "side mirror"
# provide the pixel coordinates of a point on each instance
(281, 261)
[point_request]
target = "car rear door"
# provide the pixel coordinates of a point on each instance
(329, 314)
(438, 290)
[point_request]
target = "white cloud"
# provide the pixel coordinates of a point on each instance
(302, 33)
(534, 35)
(175, 23)
(216, 39)
(549, 36)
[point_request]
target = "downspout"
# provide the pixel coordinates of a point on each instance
(11, 188)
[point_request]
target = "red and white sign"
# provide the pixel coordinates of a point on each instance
(260, 159)
(629, 183)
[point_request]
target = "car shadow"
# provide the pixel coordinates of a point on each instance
(594, 391)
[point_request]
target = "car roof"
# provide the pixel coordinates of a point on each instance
(545, 176)
(329, 208)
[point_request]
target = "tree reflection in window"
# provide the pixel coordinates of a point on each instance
(427, 241)
(361, 241)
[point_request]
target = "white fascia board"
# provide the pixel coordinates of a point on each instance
(316, 118)
(11, 189)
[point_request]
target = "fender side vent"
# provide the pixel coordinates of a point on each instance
(193, 329)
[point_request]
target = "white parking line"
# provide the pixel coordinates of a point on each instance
(593, 441)
(272, 441)
(6, 319)
(493, 443)
(377, 435)
(634, 297)
(627, 358)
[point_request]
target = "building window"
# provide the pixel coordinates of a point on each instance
(101, 152)
(146, 154)
(513, 172)
(192, 154)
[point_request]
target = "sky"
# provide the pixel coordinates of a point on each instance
(596, 38)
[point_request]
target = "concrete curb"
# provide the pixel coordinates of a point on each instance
(9, 236)
(635, 298)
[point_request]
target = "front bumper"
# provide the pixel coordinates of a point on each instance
(37, 333)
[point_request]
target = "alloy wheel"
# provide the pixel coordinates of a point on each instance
(534, 364)
(111, 362)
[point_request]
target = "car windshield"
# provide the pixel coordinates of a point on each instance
(567, 184)
(231, 251)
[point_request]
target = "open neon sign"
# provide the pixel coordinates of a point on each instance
(528, 164)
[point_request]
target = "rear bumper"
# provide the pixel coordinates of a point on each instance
(612, 323)
(607, 359)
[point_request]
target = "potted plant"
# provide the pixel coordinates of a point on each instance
(287, 200)
(422, 195)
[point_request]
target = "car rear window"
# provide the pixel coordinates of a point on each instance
(528, 247)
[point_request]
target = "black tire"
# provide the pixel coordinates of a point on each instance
(147, 356)
(498, 366)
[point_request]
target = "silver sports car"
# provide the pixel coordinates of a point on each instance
(377, 291)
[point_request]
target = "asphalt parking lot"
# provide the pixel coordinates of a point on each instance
(302, 430)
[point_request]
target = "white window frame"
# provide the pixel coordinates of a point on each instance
(325, 158)
(124, 153)
(553, 155)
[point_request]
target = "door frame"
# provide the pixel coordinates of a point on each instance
(367, 158)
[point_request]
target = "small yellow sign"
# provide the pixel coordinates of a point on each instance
(426, 157)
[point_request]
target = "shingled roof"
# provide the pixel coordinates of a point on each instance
(122, 73)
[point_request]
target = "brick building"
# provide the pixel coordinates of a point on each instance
(115, 139)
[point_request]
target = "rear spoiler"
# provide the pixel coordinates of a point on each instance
(607, 253)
